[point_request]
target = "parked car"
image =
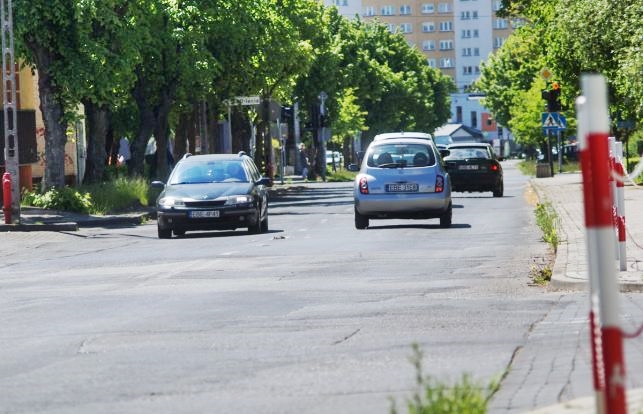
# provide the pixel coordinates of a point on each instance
(474, 167)
(212, 192)
(402, 177)
(335, 157)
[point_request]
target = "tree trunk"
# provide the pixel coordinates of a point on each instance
(97, 124)
(55, 127)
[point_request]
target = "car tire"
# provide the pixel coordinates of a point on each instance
(264, 224)
(179, 232)
(255, 228)
(164, 233)
(499, 190)
(446, 218)
(361, 222)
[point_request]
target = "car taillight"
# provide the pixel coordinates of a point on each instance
(363, 185)
(494, 167)
(439, 184)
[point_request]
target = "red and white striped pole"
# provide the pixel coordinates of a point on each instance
(600, 236)
(598, 376)
(619, 171)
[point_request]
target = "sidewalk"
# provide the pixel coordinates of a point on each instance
(570, 272)
(564, 192)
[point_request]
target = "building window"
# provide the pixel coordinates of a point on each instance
(476, 51)
(406, 28)
(476, 33)
(431, 62)
(428, 8)
(500, 24)
(474, 14)
(428, 45)
(458, 114)
(466, 51)
(446, 44)
(497, 42)
(465, 15)
(428, 27)
(467, 70)
(476, 70)
(444, 8)
(446, 63)
(466, 34)
(391, 27)
(388, 10)
(369, 11)
(474, 119)
(446, 26)
(497, 5)
(405, 9)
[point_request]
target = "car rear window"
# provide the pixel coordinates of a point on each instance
(462, 153)
(396, 155)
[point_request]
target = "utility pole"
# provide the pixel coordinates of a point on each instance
(11, 160)
(322, 134)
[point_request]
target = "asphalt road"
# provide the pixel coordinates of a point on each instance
(314, 316)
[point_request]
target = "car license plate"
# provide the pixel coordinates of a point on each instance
(402, 188)
(468, 167)
(204, 214)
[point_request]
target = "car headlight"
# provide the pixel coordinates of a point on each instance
(171, 202)
(239, 199)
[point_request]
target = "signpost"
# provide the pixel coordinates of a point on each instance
(239, 100)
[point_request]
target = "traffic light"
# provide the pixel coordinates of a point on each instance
(552, 96)
(286, 114)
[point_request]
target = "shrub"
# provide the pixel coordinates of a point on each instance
(67, 199)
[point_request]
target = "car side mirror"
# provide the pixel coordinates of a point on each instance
(264, 181)
(444, 153)
(353, 167)
(158, 184)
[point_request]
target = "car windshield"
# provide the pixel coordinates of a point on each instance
(208, 172)
(395, 155)
(468, 153)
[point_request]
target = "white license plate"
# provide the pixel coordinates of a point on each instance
(204, 214)
(402, 188)
(468, 167)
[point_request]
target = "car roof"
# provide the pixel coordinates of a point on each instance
(189, 158)
(402, 134)
(469, 145)
(402, 140)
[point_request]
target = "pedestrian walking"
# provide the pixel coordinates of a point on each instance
(150, 156)
(124, 154)
(303, 159)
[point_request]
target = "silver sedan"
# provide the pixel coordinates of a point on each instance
(402, 177)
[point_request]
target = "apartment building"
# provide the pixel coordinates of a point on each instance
(456, 36)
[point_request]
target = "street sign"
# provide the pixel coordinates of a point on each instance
(554, 121)
(243, 100)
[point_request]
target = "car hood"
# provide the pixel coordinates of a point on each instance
(208, 191)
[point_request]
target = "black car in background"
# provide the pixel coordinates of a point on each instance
(473, 166)
(212, 192)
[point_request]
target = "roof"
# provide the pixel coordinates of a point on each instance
(458, 132)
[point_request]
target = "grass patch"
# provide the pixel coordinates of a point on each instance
(119, 194)
(435, 397)
(540, 274)
(340, 176)
(548, 221)
(528, 167)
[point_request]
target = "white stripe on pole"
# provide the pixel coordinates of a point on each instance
(600, 227)
(620, 204)
(598, 370)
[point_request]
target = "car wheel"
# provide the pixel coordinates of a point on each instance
(164, 233)
(446, 217)
(179, 232)
(499, 190)
(264, 224)
(255, 228)
(361, 222)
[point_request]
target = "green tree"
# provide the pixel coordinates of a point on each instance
(47, 38)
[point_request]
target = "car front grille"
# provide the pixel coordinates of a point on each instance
(205, 203)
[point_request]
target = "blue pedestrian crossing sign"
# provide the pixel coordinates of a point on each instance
(553, 121)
